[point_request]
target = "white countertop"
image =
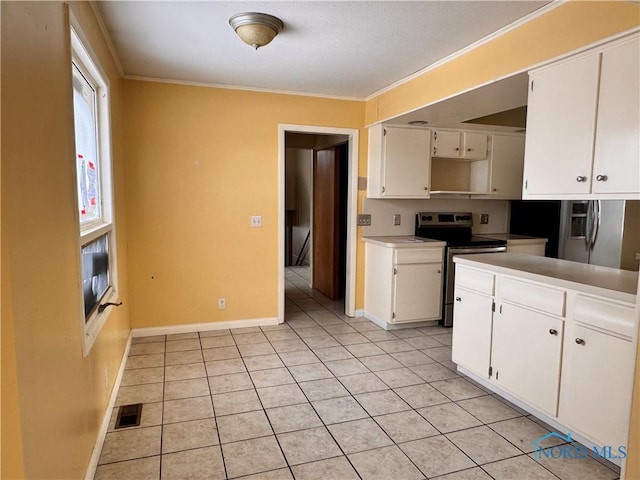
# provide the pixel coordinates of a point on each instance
(514, 239)
(406, 241)
(604, 281)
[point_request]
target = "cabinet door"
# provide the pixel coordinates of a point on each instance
(406, 165)
(507, 159)
(560, 128)
(596, 385)
(616, 167)
(472, 320)
(446, 144)
(417, 292)
(475, 145)
(526, 352)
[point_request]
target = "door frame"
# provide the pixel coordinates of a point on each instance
(352, 209)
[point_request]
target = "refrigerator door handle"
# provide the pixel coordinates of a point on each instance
(595, 225)
(588, 227)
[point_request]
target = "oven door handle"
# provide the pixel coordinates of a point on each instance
(463, 250)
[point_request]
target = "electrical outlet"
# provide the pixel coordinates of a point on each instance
(222, 304)
(484, 218)
(364, 220)
(256, 220)
(397, 218)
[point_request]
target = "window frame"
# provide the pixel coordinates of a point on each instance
(83, 59)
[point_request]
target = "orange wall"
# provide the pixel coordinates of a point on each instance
(570, 26)
(201, 161)
(54, 400)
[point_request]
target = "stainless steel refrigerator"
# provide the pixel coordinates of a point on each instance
(600, 232)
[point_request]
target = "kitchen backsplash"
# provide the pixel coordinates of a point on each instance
(382, 212)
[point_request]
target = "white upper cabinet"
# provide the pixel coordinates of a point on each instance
(616, 165)
(583, 126)
(507, 156)
(399, 162)
(447, 144)
(474, 145)
(457, 144)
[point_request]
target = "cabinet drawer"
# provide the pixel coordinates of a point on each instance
(430, 255)
(605, 314)
(473, 279)
(538, 297)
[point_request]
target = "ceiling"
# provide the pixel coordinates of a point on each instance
(347, 49)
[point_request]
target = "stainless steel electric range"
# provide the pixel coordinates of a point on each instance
(455, 228)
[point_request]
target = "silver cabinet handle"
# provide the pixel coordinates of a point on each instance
(553, 331)
(458, 299)
(581, 178)
(457, 149)
(438, 271)
(601, 178)
(494, 189)
(580, 341)
(469, 149)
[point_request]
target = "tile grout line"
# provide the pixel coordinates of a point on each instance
(164, 384)
(319, 417)
(213, 408)
(263, 408)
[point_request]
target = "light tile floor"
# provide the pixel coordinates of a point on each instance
(323, 396)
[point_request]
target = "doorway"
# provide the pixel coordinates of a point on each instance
(318, 209)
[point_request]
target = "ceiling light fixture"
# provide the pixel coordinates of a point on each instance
(418, 123)
(256, 29)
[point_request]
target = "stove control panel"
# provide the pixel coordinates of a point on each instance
(450, 219)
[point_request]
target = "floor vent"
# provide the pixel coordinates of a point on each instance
(129, 415)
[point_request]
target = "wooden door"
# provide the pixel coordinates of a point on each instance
(329, 220)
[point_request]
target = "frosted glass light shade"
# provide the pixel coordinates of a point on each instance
(256, 29)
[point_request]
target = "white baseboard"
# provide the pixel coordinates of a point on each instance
(102, 433)
(203, 327)
(359, 313)
(398, 326)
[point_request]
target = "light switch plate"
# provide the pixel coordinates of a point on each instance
(256, 220)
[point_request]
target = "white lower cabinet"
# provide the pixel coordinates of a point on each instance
(525, 358)
(417, 292)
(402, 285)
(563, 353)
(472, 323)
(597, 371)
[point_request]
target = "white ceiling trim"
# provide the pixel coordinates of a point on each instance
(107, 38)
(498, 33)
(236, 87)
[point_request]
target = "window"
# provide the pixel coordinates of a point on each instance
(94, 189)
